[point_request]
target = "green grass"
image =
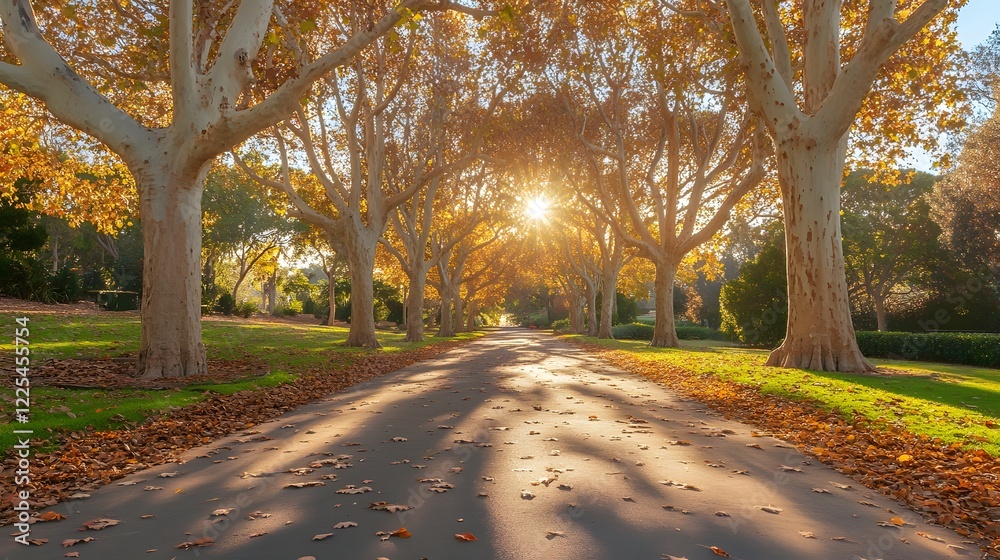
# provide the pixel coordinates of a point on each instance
(286, 349)
(954, 403)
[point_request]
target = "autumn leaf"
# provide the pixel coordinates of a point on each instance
(50, 516)
(204, 541)
(71, 542)
(101, 523)
(465, 537)
(322, 536)
(305, 484)
(345, 525)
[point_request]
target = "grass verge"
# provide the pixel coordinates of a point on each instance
(957, 404)
(286, 350)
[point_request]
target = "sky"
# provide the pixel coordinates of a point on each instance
(977, 20)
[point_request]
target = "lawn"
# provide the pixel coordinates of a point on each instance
(954, 403)
(285, 349)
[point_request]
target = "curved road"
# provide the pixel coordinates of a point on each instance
(534, 447)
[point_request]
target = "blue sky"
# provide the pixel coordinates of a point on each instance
(977, 20)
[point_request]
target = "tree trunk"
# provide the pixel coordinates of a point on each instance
(272, 292)
(610, 282)
(55, 253)
(459, 312)
(576, 313)
(362, 263)
(470, 325)
(591, 310)
(447, 324)
(664, 331)
(332, 294)
(415, 307)
(819, 333)
(171, 344)
(880, 313)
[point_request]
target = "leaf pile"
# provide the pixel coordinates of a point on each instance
(87, 460)
(947, 485)
(119, 373)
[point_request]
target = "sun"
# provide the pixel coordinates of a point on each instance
(537, 208)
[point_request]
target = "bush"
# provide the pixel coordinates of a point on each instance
(755, 303)
(642, 331)
(973, 349)
(66, 286)
(561, 326)
(226, 304)
(292, 309)
(246, 309)
(633, 331)
(695, 332)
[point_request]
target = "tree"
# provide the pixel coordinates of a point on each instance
(395, 142)
(671, 143)
(809, 113)
(890, 242)
(754, 304)
(198, 83)
(240, 222)
(965, 202)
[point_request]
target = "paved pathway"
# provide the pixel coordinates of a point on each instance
(570, 459)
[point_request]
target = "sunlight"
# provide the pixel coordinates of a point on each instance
(537, 208)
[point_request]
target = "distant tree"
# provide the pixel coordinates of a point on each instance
(754, 304)
(23, 274)
(890, 242)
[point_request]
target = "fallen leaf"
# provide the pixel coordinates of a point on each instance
(929, 536)
(322, 536)
(50, 516)
(807, 534)
(72, 555)
(770, 509)
(204, 541)
(100, 523)
(70, 542)
(465, 536)
(345, 525)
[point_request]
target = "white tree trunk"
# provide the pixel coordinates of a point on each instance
(361, 259)
(470, 325)
(610, 282)
(459, 313)
(332, 294)
(576, 313)
(447, 328)
(171, 344)
(592, 325)
(415, 308)
(820, 334)
(664, 330)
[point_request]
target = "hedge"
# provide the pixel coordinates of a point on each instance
(642, 331)
(973, 349)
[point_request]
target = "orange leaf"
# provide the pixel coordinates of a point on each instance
(719, 551)
(404, 534)
(465, 536)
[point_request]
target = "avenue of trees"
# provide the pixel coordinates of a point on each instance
(440, 161)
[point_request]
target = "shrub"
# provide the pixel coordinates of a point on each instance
(642, 331)
(226, 304)
(292, 309)
(633, 331)
(246, 309)
(694, 332)
(755, 304)
(562, 325)
(973, 349)
(66, 286)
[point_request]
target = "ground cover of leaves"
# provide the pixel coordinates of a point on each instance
(87, 460)
(948, 485)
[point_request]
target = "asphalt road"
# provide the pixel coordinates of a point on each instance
(535, 448)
